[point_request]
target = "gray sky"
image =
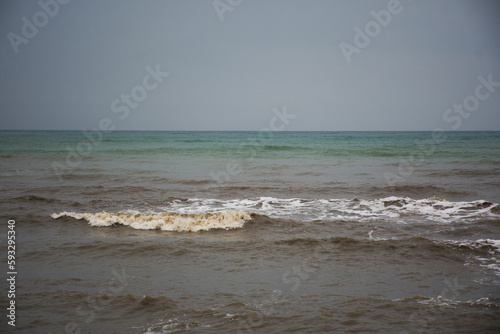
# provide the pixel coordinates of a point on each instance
(229, 74)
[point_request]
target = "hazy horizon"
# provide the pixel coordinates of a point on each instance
(226, 66)
(80, 130)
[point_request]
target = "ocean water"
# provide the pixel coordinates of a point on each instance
(253, 232)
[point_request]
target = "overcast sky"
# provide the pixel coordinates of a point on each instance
(230, 66)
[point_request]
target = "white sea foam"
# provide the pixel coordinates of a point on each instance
(203, 214)
(390, 208)
(166, 221)
(493, 262)
(441, 301)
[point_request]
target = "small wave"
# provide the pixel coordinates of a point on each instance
(194, 141)
(308, 241)
(161, 302)
(466, 172)
(342, 152)
(488, 249)
(441, 301)
(166, 221)
(196, 182)
(490, 246)
(36, 198)
(282, 148)
(416, 190)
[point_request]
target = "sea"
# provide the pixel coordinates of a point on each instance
(156, 232)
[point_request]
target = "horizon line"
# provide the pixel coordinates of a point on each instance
(93, 130)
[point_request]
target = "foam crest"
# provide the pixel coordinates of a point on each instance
(166, 221)
(389, 208)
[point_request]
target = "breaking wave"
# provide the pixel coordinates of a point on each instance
(166, 221)
(390, 208)
(196, 214)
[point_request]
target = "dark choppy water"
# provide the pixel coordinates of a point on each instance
(248, 232)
